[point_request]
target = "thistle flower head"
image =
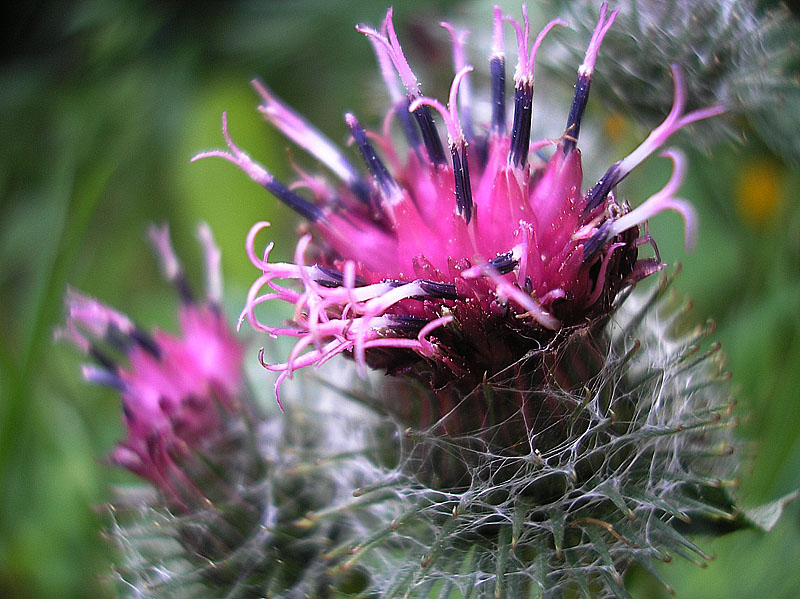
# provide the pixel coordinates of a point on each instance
(174, 389)
(464, 263)
(459, 263)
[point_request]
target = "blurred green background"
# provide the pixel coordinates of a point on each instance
(104, 103)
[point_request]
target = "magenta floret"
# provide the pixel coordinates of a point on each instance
(456, 267)
(175, 390)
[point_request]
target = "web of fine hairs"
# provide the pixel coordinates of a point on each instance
(412, 538)
(455, 537)
(324, 439)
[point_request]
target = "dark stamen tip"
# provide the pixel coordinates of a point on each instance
(480, 150)
(302, 206)
(596, 241)
(463, 186)
(146, 342)
(407, 124)
(497, 69)
(504, 263)
(371, 159)
(184, 289)
(430, 137)
(100, 376)
(332, 278)
(430, 288)
(405, 321)
(602, 188)
(118, 340)
(573, 128)
(521, 131)
(360, 190)
(101, 358)
(440, 290)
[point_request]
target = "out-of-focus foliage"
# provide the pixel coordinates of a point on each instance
(104, 103)
(734, 52)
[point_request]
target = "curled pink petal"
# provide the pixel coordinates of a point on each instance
(664, 200)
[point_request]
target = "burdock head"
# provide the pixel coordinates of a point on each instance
(176, 391)
(456, 263)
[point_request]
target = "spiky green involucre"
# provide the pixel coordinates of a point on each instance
(603, 450)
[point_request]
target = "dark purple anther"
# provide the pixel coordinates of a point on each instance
(440, 290)
(101, 376)
(497, 68)
(596, 241)
(360, 190)
(584, 81)
(184, 290)
(463, 186)
(521, 132)
(371, 159)
(407, 124)
(576, 111)
(101, 358)
(430, 137)
(332, 278)
(145, 341)
(406, 321)
(504, 263)
(601, 189)
(303, 207)
(431, 289)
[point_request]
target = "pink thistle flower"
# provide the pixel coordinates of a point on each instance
(175, 390)
(456, 266)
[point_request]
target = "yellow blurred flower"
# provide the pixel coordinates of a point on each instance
(758, 192)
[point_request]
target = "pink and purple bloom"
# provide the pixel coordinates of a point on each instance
(176, 390)
(454, 265)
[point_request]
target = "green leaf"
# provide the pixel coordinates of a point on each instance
(765, 516)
